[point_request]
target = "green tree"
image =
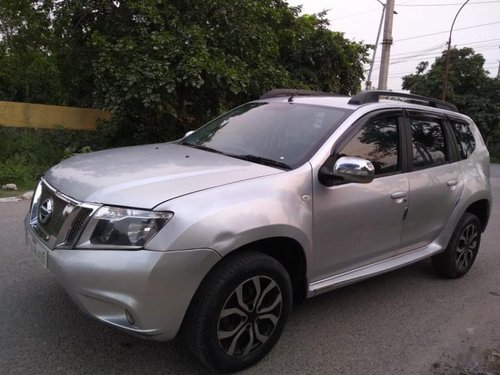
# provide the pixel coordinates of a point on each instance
(166, 66)
(28, 71)
(484, 107)
(322, 59)
(470, 88)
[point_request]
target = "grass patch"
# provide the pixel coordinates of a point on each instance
(8, 194)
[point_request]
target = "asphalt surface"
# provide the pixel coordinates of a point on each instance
(405, 322)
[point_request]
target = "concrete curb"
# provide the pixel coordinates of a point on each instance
(25, 197)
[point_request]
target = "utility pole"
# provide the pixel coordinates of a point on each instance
(498, 72)
(447, 62)
(369, 79)
(386, 45)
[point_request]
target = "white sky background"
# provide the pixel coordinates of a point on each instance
(359, 20)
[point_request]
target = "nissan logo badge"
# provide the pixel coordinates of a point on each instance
(45, 210)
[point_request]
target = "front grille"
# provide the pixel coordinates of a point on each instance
(77, 225)
(56, 219)
(65, 218)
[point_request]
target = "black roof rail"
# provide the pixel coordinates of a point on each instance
(293, 92)
(373, 96)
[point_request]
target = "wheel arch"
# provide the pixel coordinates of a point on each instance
(481, 209)
(290, 253)
(201, 325)
(286, 250)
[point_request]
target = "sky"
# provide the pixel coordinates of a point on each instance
(477, 26)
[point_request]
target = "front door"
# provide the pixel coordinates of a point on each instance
(356, 224)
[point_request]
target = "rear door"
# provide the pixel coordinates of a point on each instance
(434, 177)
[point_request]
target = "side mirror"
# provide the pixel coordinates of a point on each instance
(188, 133)
(354, 169)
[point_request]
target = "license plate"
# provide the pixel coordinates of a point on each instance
(38, 251)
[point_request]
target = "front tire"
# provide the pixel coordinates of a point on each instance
(239, 312)
(462, 249)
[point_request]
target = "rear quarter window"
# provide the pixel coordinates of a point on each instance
(464, 137)
(428, 142)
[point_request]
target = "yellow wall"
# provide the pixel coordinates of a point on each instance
(26, 115)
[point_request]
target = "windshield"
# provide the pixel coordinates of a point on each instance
(283, 135)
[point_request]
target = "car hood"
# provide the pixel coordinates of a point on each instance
(145, 176)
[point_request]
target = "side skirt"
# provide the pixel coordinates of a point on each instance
(365, 272)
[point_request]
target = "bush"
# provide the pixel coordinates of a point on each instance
(25, 154)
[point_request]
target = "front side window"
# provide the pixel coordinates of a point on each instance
(465, 139)
(377, 141)
(276, 134)
(428, 142)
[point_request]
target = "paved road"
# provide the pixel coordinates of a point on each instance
(405, 322)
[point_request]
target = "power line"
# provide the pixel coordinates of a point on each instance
(416, 60)
(364, 12)
(432, 51)
(418, 54)
(405, 4)
(402, 74)
(478, 42)
(447, 31)
(421, 57)
(486, 47)
(488, 64)
(377, 9)
(414, 71)
(439, 46)
(448, 4)
(354, 14)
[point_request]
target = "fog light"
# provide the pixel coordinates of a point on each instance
(130, 318)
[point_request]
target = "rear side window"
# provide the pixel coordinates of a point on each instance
(428, 142)
(377, 141)
(464, 137)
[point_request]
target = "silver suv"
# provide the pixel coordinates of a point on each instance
(212, 237)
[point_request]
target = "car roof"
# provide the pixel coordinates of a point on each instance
(328, 101)
(346, 102)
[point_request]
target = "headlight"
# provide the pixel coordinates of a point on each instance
(119, 228)
(35, 201)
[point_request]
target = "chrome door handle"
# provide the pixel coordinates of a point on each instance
(452, 183)
(399, 195)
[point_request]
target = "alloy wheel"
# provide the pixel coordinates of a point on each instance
(249, 316)
(467, 245)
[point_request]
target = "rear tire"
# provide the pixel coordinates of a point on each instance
(462, 249)
(239, 312)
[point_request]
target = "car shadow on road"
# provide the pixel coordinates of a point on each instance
(61, 339)
(72, 342)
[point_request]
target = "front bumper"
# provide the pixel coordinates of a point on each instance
(143, 292)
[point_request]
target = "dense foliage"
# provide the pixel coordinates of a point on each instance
(470, 88)
(165, 66)
(25, 154)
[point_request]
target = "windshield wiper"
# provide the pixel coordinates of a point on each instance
(262, 160)
(248, 157)
(204, 148)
